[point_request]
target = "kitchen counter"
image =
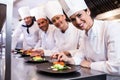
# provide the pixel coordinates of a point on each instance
(26, 71)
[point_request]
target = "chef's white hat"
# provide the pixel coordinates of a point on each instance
(53, 8)
(24, 12)
(38, 12)
(72, 6)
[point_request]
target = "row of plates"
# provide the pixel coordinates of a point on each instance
(44, 65)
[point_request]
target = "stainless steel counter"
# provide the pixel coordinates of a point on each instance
(25, 71)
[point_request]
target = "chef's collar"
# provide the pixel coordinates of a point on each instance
(47, 31)
(28, 26)
(67, 29)
(93, 29)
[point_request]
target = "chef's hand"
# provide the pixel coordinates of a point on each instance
(63, 57)
(85, 63)
(39, 51)
(58, 56)
(54, 56)
(67, 53)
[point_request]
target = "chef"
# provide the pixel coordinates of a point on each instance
(28, 28)
(67, 37)
(47, 42)
(100, 50)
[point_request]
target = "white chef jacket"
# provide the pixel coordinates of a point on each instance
(29, 40)
(69, 40)
(47, 42)
(102, 47)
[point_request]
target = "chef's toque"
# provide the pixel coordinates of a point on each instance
(53, 8)
(38, 12)
(24, 12)
(72, 6)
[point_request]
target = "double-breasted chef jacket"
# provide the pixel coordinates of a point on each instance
(30, 38)
(101, 46)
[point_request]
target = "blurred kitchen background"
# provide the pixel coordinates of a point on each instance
(101, 9)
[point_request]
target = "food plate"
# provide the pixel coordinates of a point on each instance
(18, 51)
(21, 52)
(46, 67)
(30, 60)
(24, 55)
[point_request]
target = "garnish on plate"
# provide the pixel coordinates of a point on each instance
(21, 50)
(27, 52)
(37, 58)
(59, 66)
